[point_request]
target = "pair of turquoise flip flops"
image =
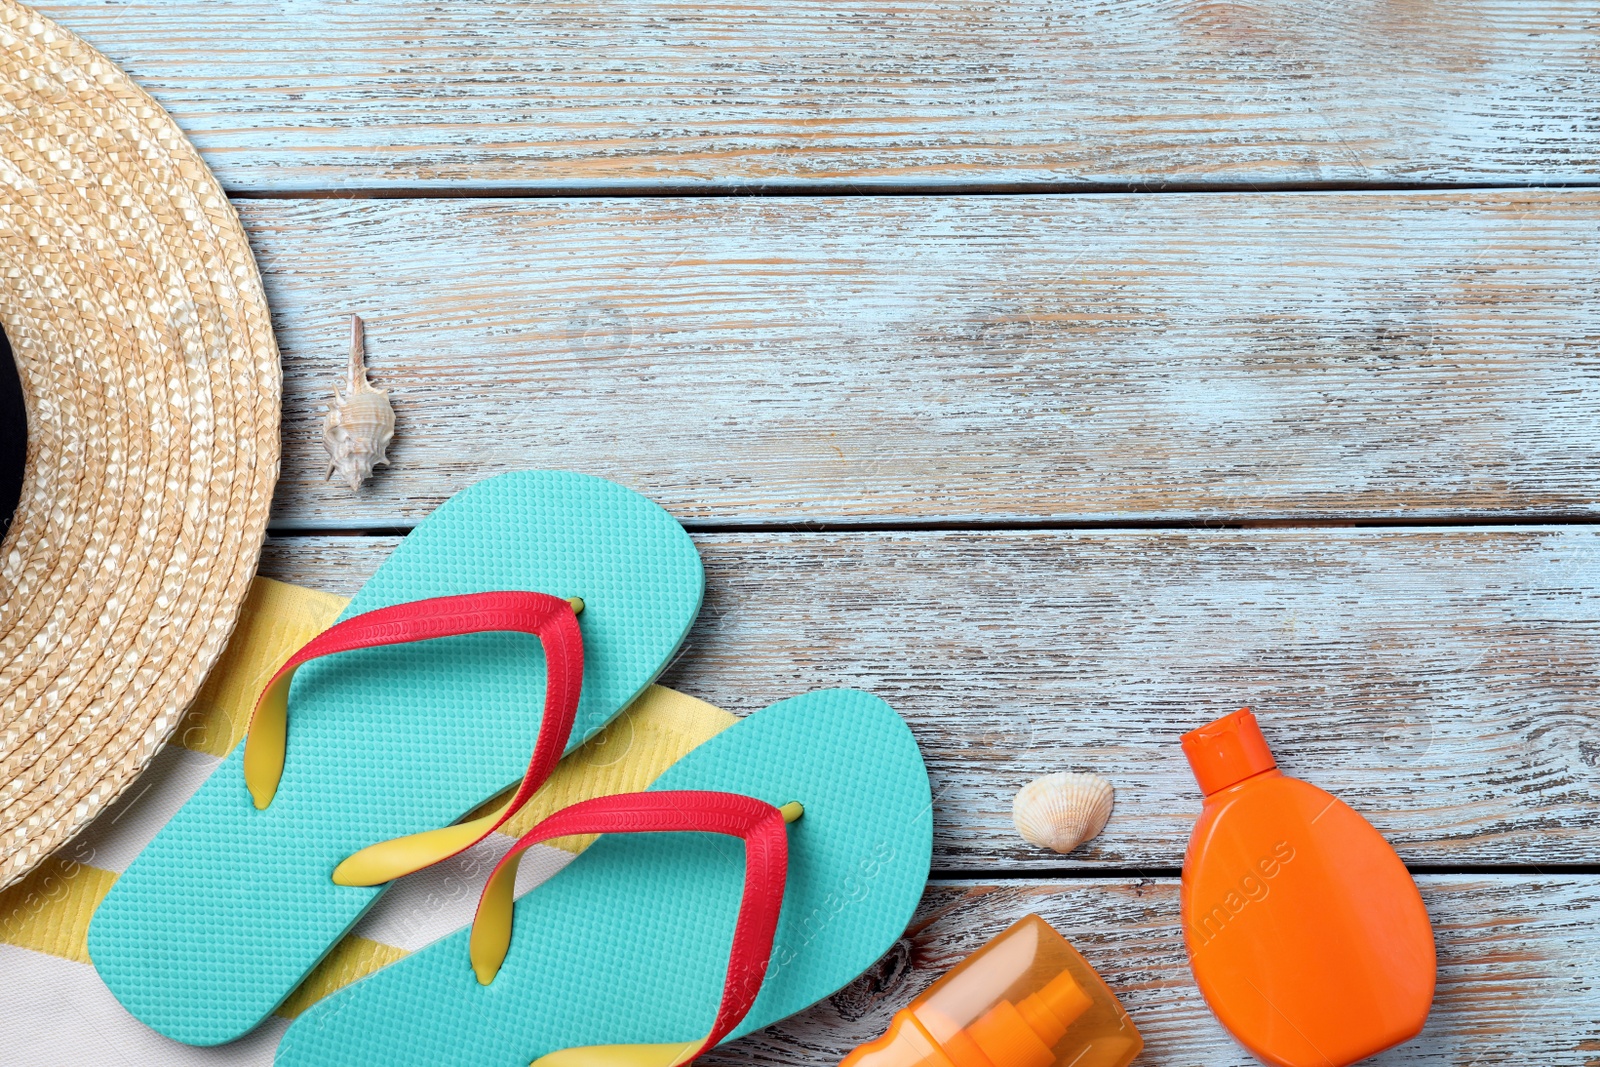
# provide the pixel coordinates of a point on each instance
(232, 904)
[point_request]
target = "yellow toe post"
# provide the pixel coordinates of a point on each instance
(388, 860)
(669, 1055)
(265, 742)
(792, 811)
(491, 925)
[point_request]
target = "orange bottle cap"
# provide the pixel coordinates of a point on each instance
(1227, 751)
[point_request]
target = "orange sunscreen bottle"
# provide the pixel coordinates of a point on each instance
(1306, 934)
(1026, 999)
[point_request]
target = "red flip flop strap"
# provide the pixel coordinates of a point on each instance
(766, 850)
(549, 618)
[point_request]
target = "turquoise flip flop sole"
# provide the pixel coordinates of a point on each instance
(629, 943)
(228, 908)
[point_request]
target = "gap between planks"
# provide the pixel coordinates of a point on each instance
(469, 191)
(1090, 874)
(805, 526)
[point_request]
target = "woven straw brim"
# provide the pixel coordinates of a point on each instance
(146, 355)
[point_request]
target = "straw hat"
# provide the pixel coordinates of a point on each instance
(146, 356)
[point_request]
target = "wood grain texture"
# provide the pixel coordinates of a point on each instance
(1519, 972)
(1441, 682)
(998, 359)
(1312, 358)
(560, 95)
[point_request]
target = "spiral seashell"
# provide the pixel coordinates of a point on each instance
(360, 424)
(1061, 811)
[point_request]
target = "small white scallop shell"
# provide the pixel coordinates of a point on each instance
(1061, 811)
(360, 424)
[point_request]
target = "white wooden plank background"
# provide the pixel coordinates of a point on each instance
(295, 94)
(972, 367)
(1440, 680)
(1516, 972)
(996, 359)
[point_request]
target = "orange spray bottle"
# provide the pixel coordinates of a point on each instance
(1305, 931)
(1026, 999)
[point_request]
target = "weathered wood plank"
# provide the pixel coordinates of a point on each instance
(1008, 359)
(560, 95)
(1519, 972)
(1441, 681)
